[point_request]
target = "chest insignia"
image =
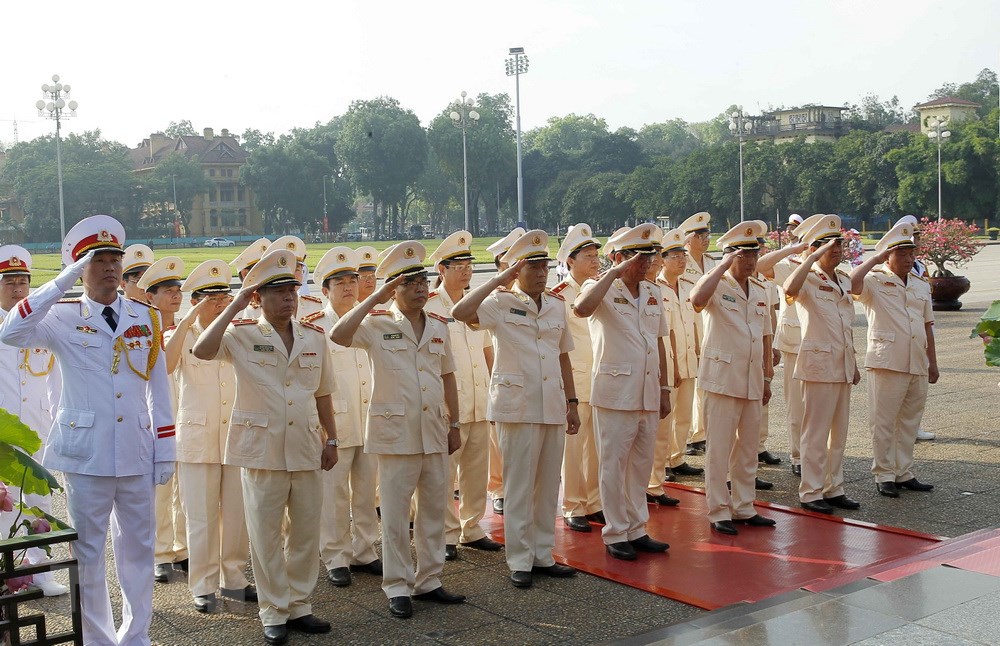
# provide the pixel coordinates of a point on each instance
(514, 310)
(825, 288)
(437, 339)
(727, 297)
(652, 301)
(392, 337)
(621, 301)
(137, 331)
(263, 348)
(86, 329)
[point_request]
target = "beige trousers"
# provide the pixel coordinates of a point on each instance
(349, 525)
(698, 429)
(681, 419)
(425, 475)
(171, 527)
(625, 441)
(532, 454)
(581, 487)
(217, 538)
(896, 404)
(284, 560)
(495, 486)
(732, 425)
(469, 468)
(765, 420)
(664, 446)
(826, 414)
(794, 405)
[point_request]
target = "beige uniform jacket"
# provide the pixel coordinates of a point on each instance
(582, 355)
(275, 424)
(626, 331)
(693, 273)
(407, 415)
(471, 372)
(897, 313)
(526, 386)
(826, 310)
(681, 319)
(353, 378)
(789, 334)
(308, 305)
(207, 395)
(732, 356)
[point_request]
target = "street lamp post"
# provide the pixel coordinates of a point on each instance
(740, 125)
(326, 222)
(463, 118)
(56, 95)
(516, 66)
(938, 132)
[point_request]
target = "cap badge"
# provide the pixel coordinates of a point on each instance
(833, 224)
(15, 261)
(409, 252)
(749, 231)
(282, 261)
(585, 231)
(368, 255)
(700, 218)
(341, 257)
(290, 245)
(138, 253)
(104, 236)
(906, 232)
(645, 234)
(537, 240)
(215, 271)
(461, 240)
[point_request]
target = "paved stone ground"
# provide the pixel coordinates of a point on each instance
(963, 463)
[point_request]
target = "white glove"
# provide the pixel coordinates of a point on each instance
(68, 276)
(162, 471)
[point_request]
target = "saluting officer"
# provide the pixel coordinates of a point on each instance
(137, 259)
(472, 351)
(210, 491)
(532, 377)
(29, 388)
(349, 526)
(901, 358)
(243, 263)
(281, 432)
(412, 423)
(697, 239)
(580, 479)
(113, 435)
(367, 263)
(735, 373)
(825, 365)
(308, 304)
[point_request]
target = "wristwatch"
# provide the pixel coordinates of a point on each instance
(454, 426)
(333, 442)
(572, 400)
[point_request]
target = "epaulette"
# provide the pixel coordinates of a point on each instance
(560, 287)
(842, 272)
(923, 278)
(437, 316)
(315, 328)
(311, 299)
(243, 322)
(171, 328)
(68, 300)
(378, 312)
(686, 280)
(756, 281)
(309, 318)
(136, 300)
(432, 294)
(554, 295)
(501, 288)
(795, 261)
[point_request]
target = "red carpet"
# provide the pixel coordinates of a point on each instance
(709, 570)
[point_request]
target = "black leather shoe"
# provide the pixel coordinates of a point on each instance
(375, 567)
(647, 544)
(756, 521)
(768, 458)
(797, 470)
(401, 607)
(247, 594)
(762, 485)
(696, 448)
(498, 506)
(668, 475)
(205, 602)
(521, 578)
(887, 489)
(450, 552)
(685, 469)
(663, 500)
(182, 565)
(276, 634)
(843, 502)
(161, 572)
(339, 576)
(622, 550)
(577, 523)
(597, 517)
(914, 485)
(440, 595)
(309, 624)
(555, 570)
(725, 527)
(819, 506)
(485, 543)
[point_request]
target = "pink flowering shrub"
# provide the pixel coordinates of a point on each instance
(853, 249)
(947, 241)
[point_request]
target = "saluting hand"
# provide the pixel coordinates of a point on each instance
(192, 314)
(816, 255)
(509, 274)
(387, 290)
(243, 296)
(728, 259)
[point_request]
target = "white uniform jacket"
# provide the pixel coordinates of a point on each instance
(471, 373)
(29, 384)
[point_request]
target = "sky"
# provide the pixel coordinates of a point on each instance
(136, 66)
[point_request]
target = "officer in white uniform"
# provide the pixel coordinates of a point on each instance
(243, 263)
(211, 493)
(115, 395)
(472, 351)
(29, 388)
(901, 358)
(697, 239)
(349, 526)
(137, 259)
(412, 423)
(581, 484)
(532, 377)
(308, 304)
(367, 263)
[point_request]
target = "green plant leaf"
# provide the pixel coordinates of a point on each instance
(990, 328)
(13, 431)
(992, 352)
(993, 313)
(21, 470)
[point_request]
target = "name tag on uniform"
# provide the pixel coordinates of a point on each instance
(514, 310)
(437, 340)
(621, 301)
(825, 288)
(263, 348)
(390, 337)
(727, 297)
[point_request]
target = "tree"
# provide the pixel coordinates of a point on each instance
(180, 129)
(983, 91)
(595, 200)
(873, 114)
(287, 178)
(672, 139)
(177, 180)
(572, 135)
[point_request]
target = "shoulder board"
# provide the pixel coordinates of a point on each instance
(378, 312)
(68, 300)
(311, 299)
(842, 272)
(756, 281)
(558, 288)
(794, 261)
(136, 300)
(554, 295)
(172, 327)
(923, 278)
(686, 280)
(309, 318)
(437, 316)
(503, 289)
(432, 294)
(315, 328)
(243, 322)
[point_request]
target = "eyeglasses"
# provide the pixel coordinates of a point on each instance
(219, 298)
(463, 267)
(416, 281)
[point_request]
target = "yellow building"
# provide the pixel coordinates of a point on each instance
(228, 209)
(814, 122)
(948, 108)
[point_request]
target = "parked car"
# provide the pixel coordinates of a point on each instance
(354, 236)
(219, 242)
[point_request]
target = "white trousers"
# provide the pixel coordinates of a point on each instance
(681, 418)
(698, 429)
(825, 417)
(128, 503)
(732, 425)
(794, 404)
(765, 420)
(896, 404)
(667, 441)
(171, 526)
(217, 538)
(580, 481)
(532, 454)
(625, 442)
(495, 486)
(349, 525)
(468, 467)
(284, 558)
(402, 476)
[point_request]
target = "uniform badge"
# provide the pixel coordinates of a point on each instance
(825, 288)
(393, 336)
(308, 354)
(263, 348)
(514, 310)
(727, 297)
(137, 331)
(437, 339)
(761, 304)
(86, 329)
(621, 301)
(652, 301)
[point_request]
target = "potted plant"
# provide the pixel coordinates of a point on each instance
(992, 232)
(943, 242)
